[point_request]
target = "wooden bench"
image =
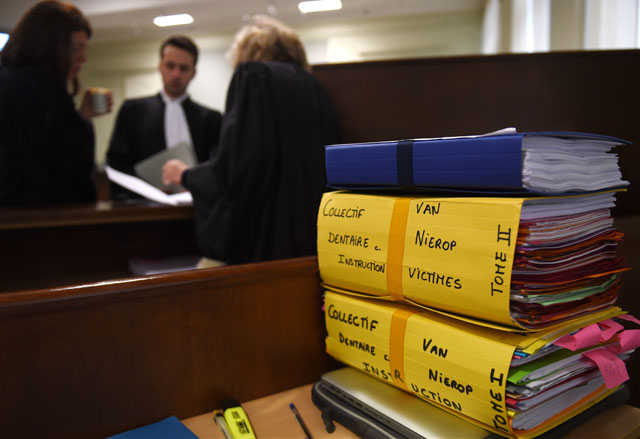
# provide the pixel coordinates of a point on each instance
(93, 360)
(54, 246)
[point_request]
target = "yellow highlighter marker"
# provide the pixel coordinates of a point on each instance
(237, 421)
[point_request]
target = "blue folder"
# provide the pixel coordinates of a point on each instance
(169, 428)
(490, 163)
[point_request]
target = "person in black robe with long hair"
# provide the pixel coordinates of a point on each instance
(46, 145)
(257, 198)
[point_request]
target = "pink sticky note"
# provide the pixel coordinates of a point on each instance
(629, 317)
(609, 329)
(611, 367)
(629, 339)
(588, 336)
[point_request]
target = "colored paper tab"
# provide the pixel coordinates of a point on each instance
(609, 329)
(611, 367)
(589, 336)
(629, 339)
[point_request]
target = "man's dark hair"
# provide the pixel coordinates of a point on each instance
(181, 42)
(42, 39)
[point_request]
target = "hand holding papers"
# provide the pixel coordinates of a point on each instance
(143, 188)
(151, 184)
(151, 171)
(172, 172)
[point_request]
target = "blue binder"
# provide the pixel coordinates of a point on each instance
(169, 428)
(492, 163)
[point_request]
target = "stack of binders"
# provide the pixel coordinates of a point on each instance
(479, 273)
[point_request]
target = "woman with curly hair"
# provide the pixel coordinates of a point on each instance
(257, 198)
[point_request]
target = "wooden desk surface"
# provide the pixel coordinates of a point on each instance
(272, 419)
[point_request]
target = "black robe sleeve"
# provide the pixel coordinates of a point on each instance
(119, 154)
(204, 126)
(257, 198)
(46, 148)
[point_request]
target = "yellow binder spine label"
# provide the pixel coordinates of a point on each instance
(454, 365)
(354, 242)
(454, 254)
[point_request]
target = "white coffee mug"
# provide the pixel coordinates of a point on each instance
(99, 99)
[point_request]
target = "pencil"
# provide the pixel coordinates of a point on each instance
(300, 421)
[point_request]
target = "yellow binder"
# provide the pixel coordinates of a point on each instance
(458, 366)
(456, 254)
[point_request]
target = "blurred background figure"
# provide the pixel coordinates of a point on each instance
(149, 125)
(46, 145)
(257, 198)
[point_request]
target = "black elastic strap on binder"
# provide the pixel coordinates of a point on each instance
(404, 160)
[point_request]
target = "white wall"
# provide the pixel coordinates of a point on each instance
(130, 69)
(567, 25)
(611, 24)
(542, 25)
(407, 37)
